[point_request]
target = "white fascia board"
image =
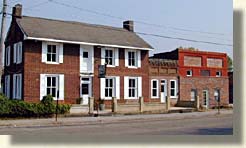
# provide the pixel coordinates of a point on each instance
(85, 43)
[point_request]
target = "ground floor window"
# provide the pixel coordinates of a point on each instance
(173, 89)
(193, 95)
(7, 86)
(52, 86)
(17, 86)
(132, 87)
(110, 87)
(154, 89)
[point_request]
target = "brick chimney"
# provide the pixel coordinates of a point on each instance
(17, 11)
(128, 25)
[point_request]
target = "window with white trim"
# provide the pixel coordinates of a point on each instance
(18, 52)
(154, 89)
(52, 53)
(52, 86)
(7, 56)
(132, 87)
(109, 57)
(193, 95)
(7, 86)
(17, 86)
(173, 88)
(109, 87)
(218, 74)
(189, 73)
(132, 58)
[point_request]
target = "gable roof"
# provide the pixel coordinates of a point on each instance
(77, 32)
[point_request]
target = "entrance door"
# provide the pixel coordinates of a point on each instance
(163, 91)
(205, 98)
(85, 60)
(85, 90)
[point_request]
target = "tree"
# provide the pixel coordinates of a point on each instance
(229, 63)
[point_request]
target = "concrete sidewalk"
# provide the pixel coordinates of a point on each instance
(80, 121)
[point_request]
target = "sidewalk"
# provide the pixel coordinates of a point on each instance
(80, 121)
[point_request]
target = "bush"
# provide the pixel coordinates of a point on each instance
(18, 108)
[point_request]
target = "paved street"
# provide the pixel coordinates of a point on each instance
(206, 123)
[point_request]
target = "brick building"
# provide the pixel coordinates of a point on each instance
(61, 58)
(202, 74)
(163, 80)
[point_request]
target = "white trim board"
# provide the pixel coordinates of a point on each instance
(85, 43)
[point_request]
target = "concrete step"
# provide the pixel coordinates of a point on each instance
(181, 110)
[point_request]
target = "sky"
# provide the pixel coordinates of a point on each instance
(202, 20)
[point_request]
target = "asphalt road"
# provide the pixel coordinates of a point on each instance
(181, 125)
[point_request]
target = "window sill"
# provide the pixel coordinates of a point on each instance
(111, 66)
(132, 67)
(173, 97)
(154, 97)
(133, 98)
(52, 63)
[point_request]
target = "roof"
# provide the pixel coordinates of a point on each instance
(163, 62)
(77, 32)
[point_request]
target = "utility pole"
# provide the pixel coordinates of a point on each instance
(3, 27)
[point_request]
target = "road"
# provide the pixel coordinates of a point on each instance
(182, 124)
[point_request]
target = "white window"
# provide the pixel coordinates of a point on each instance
(110, 87)
(52, 84)
(7, 86)
(154, 89)
(132, 58)
(189, 73)
(193, 95)
(173, 89)
(52, 53)
(7, 56)
(17, 86)
(18, 52)
(218, 74)
(110, 56)
(132, 87)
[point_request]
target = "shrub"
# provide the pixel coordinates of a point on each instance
(19, 108)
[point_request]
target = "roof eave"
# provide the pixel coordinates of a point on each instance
(85, 43)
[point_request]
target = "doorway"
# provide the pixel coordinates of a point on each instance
(205, 98)
(85, 91)
(163, 91)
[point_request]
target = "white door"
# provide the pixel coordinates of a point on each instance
(205, 98)
(163, 91)
(85, 90)
(85, 60)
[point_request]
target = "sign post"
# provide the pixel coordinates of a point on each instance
(57, 104)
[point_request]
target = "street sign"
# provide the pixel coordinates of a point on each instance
(101, 71)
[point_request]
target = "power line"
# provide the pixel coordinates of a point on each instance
(137, 21)
(183, 39)
(36, 5)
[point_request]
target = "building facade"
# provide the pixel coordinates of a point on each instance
(61, 58)
(202, 74)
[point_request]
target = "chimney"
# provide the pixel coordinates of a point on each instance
(17, 11)
(128, 25)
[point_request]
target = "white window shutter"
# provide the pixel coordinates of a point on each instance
(139, 58)
(20, 86)
(42, 86)
(14, 88)
(117, 87)
(20, 52)
(44, 52)
(61, 87)
(126, 79)
(102, 88)
(15, 52)
(116, 52)
(7, 86)
(139, 86)
(126, 58)
(60, 47)
(102, 56)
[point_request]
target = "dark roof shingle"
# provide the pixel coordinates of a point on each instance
(79, 32)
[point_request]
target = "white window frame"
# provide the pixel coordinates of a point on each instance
(157, 88)
(130, 58)
(51, 87)
(115, 56)
(7, 56)
(220, 74)
(191, 73)
(191, 97)
(59, 52)
(7, 86)
(110, 87)
(115, 88)
(18, 53)
(138, 87)
(59, 82)
(109, 57)
(17, 86)
(135, 88)
(137, 58)
(175, 89)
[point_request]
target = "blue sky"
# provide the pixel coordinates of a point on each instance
(213, 16)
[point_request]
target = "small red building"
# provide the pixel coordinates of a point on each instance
(202, 74)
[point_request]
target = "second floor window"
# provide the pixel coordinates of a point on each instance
(132, 58)
(7, 56)
(109, 58)
(18, 52)
(52, 54)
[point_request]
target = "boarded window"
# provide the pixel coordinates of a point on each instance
(213, 62)
(205, 73)
(192, 61)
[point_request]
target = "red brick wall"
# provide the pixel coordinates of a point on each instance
(122, 71)
(34, 67)
(203, 83)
